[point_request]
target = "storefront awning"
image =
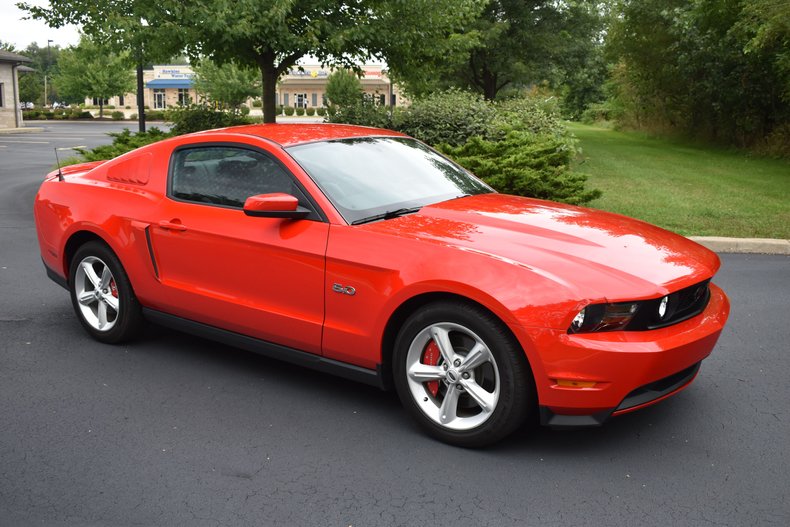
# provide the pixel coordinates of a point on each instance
(169, 83)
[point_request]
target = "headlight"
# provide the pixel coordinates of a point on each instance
(644, 314)
(603, 317)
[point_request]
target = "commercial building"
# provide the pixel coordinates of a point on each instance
(10, 110)
(306, 87)
(165, 85)
(173, 85)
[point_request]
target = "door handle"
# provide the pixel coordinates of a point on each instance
(174, 225)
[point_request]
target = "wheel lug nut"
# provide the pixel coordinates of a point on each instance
(459, 387)
(444, 366)
(465, 375)
(456, 363)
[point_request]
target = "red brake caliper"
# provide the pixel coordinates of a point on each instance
(430, 356)
(113, 288)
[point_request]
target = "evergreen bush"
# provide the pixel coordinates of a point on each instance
(310, 111)
(289, 111)
(300, 111)
(117, 115)
(524, 164)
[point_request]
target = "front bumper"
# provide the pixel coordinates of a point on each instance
(584, 379)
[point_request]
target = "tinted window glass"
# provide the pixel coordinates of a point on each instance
(227, 176)
(373, 175)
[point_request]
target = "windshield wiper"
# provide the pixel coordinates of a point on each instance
(386, 215)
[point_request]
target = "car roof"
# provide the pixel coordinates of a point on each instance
(294, 134)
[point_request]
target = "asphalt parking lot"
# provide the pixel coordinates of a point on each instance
(175, 430)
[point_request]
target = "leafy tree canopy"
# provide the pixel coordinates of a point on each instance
(343, 88)
(227, 85)
(89, 70)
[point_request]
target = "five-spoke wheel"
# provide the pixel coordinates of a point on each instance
(461, 374)
(102, 294)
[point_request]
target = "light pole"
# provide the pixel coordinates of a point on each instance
(49, 65)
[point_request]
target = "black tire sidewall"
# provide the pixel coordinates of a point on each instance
(130, 317)
(516, 399)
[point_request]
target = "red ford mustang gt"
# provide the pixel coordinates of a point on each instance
(363, 253)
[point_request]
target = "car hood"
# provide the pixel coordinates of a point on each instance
(577, 247)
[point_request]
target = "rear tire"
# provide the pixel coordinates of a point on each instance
(462, 375)
(102, 294)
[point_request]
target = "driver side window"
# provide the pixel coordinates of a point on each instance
(227, 176)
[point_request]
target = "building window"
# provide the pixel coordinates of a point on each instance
(2, 94)
(100, 102)
(183, 97)
(382, 99)
(159, 99)
(120, 100)
(285, 99)
(301, 100)
(315, 100)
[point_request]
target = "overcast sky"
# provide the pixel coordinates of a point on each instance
(20, 32)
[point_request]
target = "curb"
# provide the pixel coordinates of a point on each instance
(26, 130)
(744, 245)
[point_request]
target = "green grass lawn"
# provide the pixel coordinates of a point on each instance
(692, 190)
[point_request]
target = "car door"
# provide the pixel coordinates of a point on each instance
(262, 277)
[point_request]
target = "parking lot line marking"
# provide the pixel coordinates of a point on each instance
(26, 142)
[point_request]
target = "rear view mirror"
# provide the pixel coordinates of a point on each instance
(276, 205)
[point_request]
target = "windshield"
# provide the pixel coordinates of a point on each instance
(367, 178)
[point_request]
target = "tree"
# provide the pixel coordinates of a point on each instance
(89, 70)
(343, 88)
(523, 42)
(274, 34)
(228, 85)
(713, 69)
(138, 27)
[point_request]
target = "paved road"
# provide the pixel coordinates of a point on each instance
(174, 430)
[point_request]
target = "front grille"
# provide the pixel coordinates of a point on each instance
(681, 305)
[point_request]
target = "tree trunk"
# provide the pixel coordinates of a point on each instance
(140, 98)
(101, 107)
(269, 81)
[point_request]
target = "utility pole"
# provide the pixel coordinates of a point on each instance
(49, 66)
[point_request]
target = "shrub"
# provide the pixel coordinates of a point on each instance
(278, 109)
(289, 111)
(310, 111)
(257, 103)
(133, 117)
(524, 164)
(123, 142)
(155, 115)
(128, 107)
(331, 110)
(195, 117)
(48, 114)
(450, 117)
(117, 115)
(109, 107)
(85, 115)
(363, 113)
(321, 111)
(244, 110)
(533, 114)
(300, 111)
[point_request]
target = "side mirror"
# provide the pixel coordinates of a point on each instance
(276, 205)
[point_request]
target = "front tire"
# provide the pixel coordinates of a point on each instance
(461, 374)
(102, 295)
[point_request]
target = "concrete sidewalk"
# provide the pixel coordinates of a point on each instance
(721, 244)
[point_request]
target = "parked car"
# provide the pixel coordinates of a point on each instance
(364, 253)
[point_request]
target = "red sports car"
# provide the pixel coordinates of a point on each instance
(363, 253)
